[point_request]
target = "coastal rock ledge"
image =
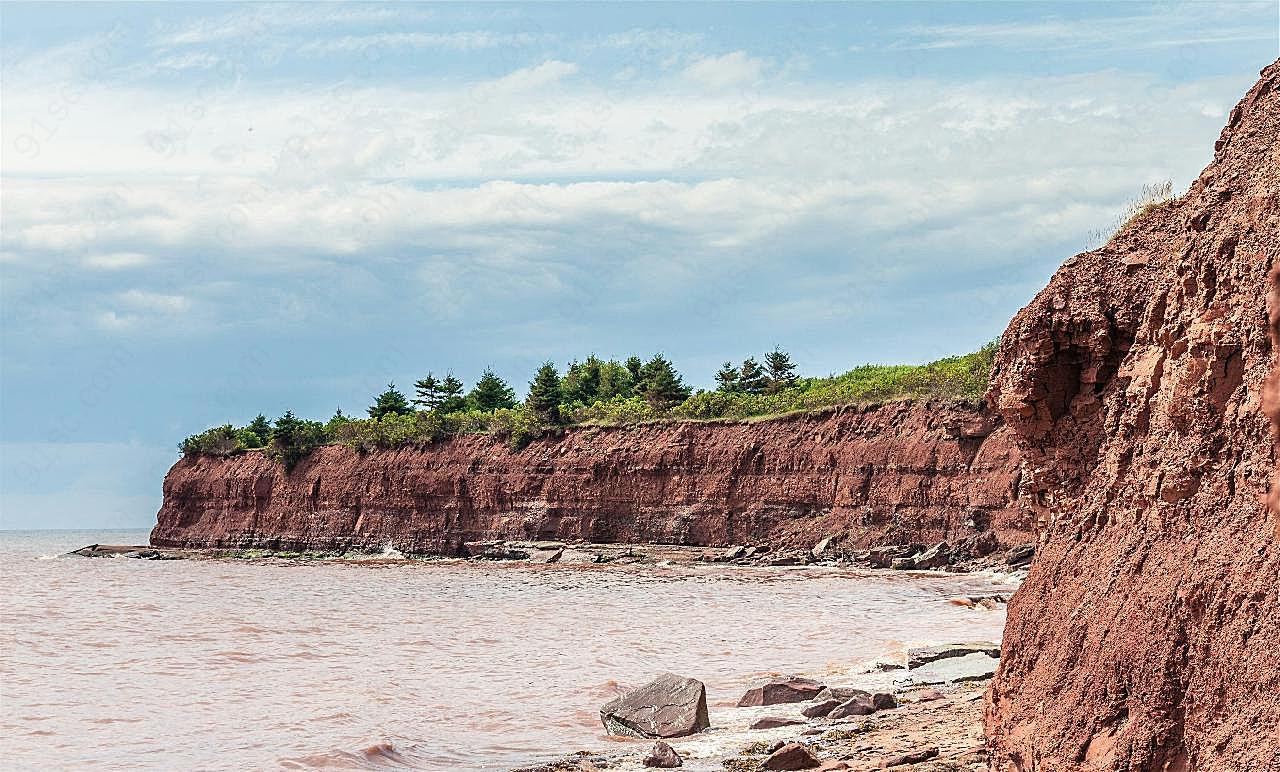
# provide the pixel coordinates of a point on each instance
(899, 473)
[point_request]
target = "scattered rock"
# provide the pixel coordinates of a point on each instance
(926, 654)
(663, 756)
(926, 695)
(841, 693)
(773, 722)
(911, 757)
(979, 545)
(833, 764)
(785, 560)
(780, 691)
(862, 705)
(733, 553)
(545, 556)
(1021, 554)
(902, 564)
(792, 756)
(570, 556)
(937, 556)
(668, 706)
(820, 709)
(883, 557)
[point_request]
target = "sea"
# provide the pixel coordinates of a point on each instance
(116, 663)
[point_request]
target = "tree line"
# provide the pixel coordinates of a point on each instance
(443, 404)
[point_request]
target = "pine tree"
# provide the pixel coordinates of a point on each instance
(782, 371)
(544, 393)
(390, 401)
(261, 428)
(491, 393)
(727, 379)
(428, 393)
(751, 377)
(615, 380)
(635, 368)
(451, 399)
(581, 382)
(663, 385)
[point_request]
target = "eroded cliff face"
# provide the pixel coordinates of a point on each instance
(1147, 636)
(892, 474)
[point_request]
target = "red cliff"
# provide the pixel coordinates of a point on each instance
(898, 473)
(1147, 636)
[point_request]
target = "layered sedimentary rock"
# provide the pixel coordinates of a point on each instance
(901, 472)
(1147, 636)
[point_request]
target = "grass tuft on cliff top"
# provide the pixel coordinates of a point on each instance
(959, 377)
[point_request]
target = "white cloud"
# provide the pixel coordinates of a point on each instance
(731, 69)
(143, 300)
(456, 41)
(114, 261)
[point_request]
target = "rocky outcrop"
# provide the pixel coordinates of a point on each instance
(1147, 635)
(897, 473)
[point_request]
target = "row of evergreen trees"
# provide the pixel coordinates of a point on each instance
(584, 383)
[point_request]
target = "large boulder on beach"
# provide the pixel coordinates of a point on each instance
(668, 706)
(780, 691)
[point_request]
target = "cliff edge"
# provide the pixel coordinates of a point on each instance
(897, 473)
(1147, 636)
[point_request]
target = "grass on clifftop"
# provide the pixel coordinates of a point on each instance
(290, 439)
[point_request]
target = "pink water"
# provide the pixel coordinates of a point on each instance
(116, 663)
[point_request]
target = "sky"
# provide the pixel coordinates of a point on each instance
(215, 210)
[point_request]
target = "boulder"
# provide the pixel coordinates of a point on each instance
(1021, 554)
(780, 691)
(883, 557)
(733, 553)
(773, 722)
(823, 547)
(841, 693)
(937, 556)
(926, 654)
(862, 705)
(902, 564)
(668, 706)
(792, 756)
(884, 701)
(820, 709)
(911, 757)
(979, 545)
(663, 756)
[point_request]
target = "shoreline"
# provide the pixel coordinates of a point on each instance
(933, 727)
(887, 559)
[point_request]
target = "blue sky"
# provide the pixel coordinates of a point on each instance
(212, 210)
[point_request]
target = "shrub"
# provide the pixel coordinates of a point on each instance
(218, 441)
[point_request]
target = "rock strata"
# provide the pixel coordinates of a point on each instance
(886, 474)
(1147, 633)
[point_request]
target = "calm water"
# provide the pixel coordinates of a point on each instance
(116, 663)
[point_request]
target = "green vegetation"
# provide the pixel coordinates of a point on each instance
(1152, 197)
(595, 392)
